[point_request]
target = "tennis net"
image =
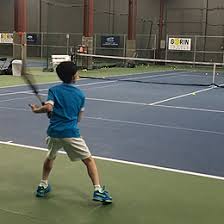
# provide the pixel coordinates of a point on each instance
(155, 71)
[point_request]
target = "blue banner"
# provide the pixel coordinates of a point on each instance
(110, 41)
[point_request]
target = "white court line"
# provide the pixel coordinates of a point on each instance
(181, 96)
(22, 214)
(97, 83)
(125, 162)
(189, 108)
(128, 102)
(155, 105)
(101, 87)
(117, 101)
(155, 125)
(29, 91)
(11, 108)
(154, 76)
(15, 93)
(19, 98)
(106, 100)
(21, 85)
(139, 123)
(94, 99)
(41, 94)
(87, 84)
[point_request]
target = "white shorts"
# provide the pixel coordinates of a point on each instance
(75, 148)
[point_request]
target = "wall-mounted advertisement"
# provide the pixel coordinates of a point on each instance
(110, 41)
(180, 44)
(6, 38)
(31, 38)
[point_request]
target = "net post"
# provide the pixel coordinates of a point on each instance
(167, 46)
(154, 47)
(223, 56)
(42, 45)
(67, 42)
(95, 43)
(214, 71)
(195, 48)
(124, 45)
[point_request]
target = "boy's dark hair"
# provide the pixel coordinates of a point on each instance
(66, 71)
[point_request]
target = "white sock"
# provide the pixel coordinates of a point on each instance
(44, 183)
(97, 188)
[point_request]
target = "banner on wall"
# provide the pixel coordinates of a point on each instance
(32, 38)
(180, 44)
(6, 38)
(110, 41)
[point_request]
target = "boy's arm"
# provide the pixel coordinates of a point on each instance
(81, 112)
(42, 109)
(47, 107)
(80, 116)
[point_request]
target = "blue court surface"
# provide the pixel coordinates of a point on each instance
(167, 126)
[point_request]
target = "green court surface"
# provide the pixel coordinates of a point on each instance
(140, 194)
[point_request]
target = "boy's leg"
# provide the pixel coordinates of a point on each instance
(99, 193)
(53, 146)
(44, 188)
(47, 167)
(76, 149)
(92, 170)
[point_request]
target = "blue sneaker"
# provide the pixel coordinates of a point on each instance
(102, 196)
(42, 191)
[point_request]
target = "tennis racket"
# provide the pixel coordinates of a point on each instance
(30, 81)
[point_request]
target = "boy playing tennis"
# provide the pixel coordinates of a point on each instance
(66, 104)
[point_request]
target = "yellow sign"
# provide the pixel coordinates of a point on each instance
(181, 44)
(6, 38)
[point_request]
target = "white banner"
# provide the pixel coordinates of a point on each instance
(6, 38)
(180, 44)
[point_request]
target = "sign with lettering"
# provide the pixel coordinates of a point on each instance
(180, 44)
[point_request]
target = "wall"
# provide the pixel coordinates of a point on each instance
(6, 15)
(111, 16)
(189, 17)
(201, 17)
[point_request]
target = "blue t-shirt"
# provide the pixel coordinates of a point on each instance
(68, 101)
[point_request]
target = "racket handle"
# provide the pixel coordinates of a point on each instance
(49, 114)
